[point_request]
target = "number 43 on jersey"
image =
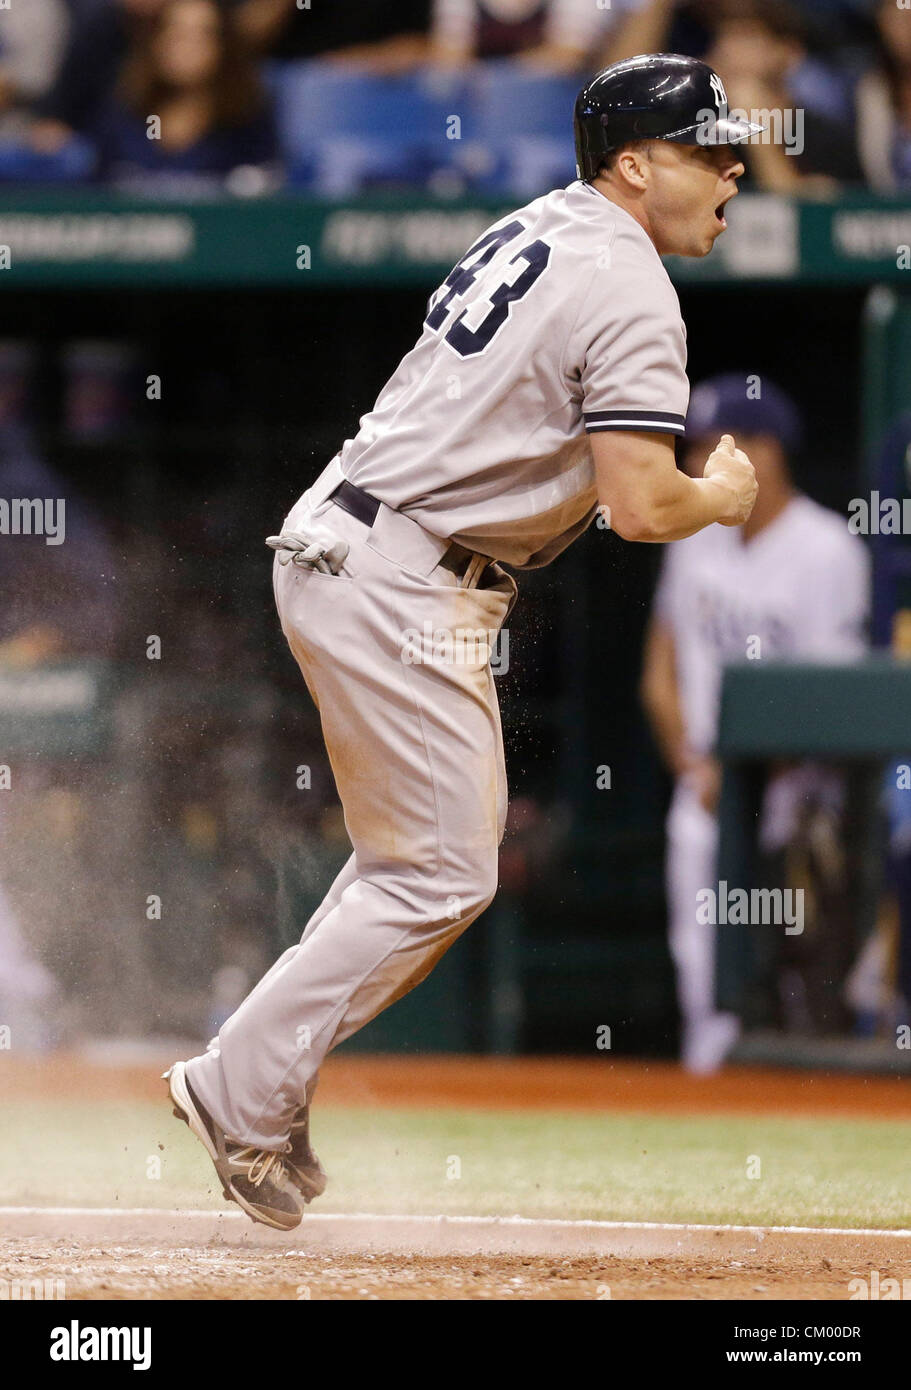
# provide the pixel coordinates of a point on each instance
(460, 336)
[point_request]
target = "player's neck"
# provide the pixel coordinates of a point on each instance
(613, 195)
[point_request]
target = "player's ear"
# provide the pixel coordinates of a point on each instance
(631, 164)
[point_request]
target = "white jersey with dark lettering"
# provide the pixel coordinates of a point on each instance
(559, 321)
(797, 590)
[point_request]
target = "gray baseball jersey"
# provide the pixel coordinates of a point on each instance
(560, 320)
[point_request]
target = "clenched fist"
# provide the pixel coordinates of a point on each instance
(729, 468)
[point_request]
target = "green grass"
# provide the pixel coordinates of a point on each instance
(814, 1172)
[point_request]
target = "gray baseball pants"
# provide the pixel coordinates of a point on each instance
(395, 651)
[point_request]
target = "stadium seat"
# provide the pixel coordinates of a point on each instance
(344, 130)
(73, 163)
(523, 121)
(498, 128)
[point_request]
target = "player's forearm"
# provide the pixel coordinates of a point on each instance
(260, 22)
(682, 507)
(658, 691)
(387, 56)
(662, 709)
(669, 735)
(642, 31)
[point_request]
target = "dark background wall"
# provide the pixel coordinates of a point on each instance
(258, 391)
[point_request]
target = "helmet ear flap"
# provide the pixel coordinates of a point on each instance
(591, 139)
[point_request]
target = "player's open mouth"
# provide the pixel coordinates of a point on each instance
(719, 211)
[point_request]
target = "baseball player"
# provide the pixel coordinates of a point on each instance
(549, 378)
(767, 591)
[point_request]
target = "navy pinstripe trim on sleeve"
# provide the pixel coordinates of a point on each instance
(658, 421)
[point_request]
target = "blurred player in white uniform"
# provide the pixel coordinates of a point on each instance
(792, 577)
(549, 377)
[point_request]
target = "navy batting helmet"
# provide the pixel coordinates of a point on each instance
(724, 402)
(657, 96)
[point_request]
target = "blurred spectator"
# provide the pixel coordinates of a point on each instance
(385, 36)
(884, 104)
(663, 26)
(124, 60)
(756, 46)
(32, 39)
(98, 399)
(98, 42)
(768, 581)
(555, 34)
(761, 49)
(190, 72)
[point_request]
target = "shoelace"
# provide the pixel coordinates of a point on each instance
(261, 1162)
(294, 547)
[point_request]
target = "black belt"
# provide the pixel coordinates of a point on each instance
(355, 500)
(364, 507)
